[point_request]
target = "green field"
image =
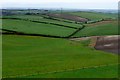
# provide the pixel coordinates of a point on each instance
(27, 55)
(94, 15)
(99, 72)
(36, 28)
(110, 28)
(40, 18)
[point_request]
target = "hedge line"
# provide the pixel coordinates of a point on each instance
(83, 26)
(9, 32)
(42, 22)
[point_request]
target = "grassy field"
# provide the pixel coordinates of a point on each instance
(28, 55)
(36, 28)
(99, 72)
(109, 28)
(94, 15)
(40, 18)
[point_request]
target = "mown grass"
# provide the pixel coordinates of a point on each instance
(95, 15)
(28, 55)
(110, 71)
(110, 28)
(36, 28)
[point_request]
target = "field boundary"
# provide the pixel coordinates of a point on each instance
(83, 26)
(66, 70)
(28, 34)
(42, 22)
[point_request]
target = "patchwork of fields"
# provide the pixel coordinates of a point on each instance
(55, 56)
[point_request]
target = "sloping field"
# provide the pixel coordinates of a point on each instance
(108, 43)
(42, 19)
(28, 55)
(94, 15)
(109, 28)
(69, 17)
(108, 71)
(36, 28)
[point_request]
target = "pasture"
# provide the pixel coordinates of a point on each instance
(36, 28)
(47, 20)
(94, 15)
(29, 55)
(96, 29)
(45, 56)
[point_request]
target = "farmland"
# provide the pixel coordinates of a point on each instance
(28, 27)
(47, 20)
(104, 71)
(94, 15)
(54, 55)
(40, 45)
(105, 28)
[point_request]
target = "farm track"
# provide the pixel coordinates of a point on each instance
(66, 70)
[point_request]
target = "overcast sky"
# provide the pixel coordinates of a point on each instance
(71, 4)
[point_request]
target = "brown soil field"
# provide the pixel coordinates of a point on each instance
(69, 17)
(108, 44)
(103, 43)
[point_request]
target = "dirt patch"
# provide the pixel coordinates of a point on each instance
(108, 44)
(69, 17)
(103, 43)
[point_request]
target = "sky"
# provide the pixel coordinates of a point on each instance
(68, 4)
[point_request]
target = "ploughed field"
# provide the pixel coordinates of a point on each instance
(45, 50)
(108, 43)
(69, 17)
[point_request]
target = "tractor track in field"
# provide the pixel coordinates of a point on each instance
(65, 70)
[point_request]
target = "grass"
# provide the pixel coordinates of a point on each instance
(42, 57)
(40, 18)
(0, 56)
(110, 71)
(36, 28)
(28, 55)
(110, 28)
(94, 15)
